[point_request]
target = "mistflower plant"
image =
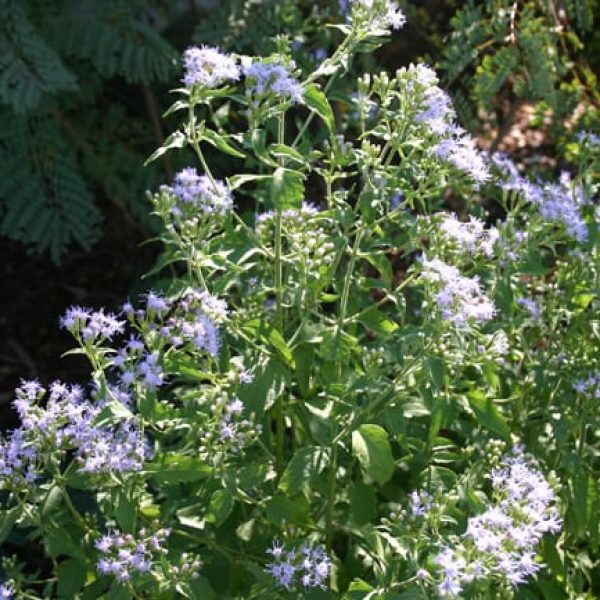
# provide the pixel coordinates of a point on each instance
(316, 395)
(500, 544)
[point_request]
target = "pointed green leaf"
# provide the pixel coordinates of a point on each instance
(317, 102)
(287, 189)
(489, 416)
(221, 143)
(371, 446)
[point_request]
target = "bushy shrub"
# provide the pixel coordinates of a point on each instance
(343, 389)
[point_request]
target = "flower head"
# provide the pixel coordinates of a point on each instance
(307, 567)
(460, 299)
(263, 78)
(200, 192)
(208, 67)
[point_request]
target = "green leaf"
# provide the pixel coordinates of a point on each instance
(7, 522)
(176, 140)
(60, 542)
(281, 510)
(488, 415)
(287, 189)
(219, 142)
(118, 592)
(378, 322)
(438, 412)
(53, 500)
(220, 507)
(412, 593)
(363, 504)
(269, 383)
(303, 357)
(287, 152)
(239, 180)
(178, 468)
(435, 366)
(306, 464)
(383, 265)
(268, 333)
(358, 590)
(317, 102)
(71, 575)
(125, 511)
(371, 446)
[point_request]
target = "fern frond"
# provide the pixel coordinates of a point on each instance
(493, 72)
(44, 202)
(29, 68)
(112, 39)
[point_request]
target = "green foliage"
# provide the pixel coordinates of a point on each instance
(49, 204)
(501, 54)
(56, 58)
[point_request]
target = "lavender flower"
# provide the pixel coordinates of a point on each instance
(208, 67)
(589, 387)
(68, 421)
(470, 236)
(7, 591)
(234, 430)
(530, 306)
(200, 192)
(459, 149)
(263, 78)
(435, 111)
(381, 13)
(501, 543)
(124, 556)
(91, 326)
(587, 137)
(438, 113)
(104, 450)
(460, 299)
(18, 461)
(309, 567)
(420, 503)
(556, 202)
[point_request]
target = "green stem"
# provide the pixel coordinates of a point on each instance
(219, 547)
(330, 499)
(278, 278)
(346, 292)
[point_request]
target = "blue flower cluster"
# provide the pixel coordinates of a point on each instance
(589, 387)
(556, 202)
(530, 306)
(263, 78)
(420, 503)
(67, 421)
(193, 192)
(91, 326)
(234, 430)
(460, 299)
(455, 145)
(18, 461)
(123, 555)
(206, 66)
(502, 541)
(308, 567)
(382, 13)
(7, 592)
(469, 236)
